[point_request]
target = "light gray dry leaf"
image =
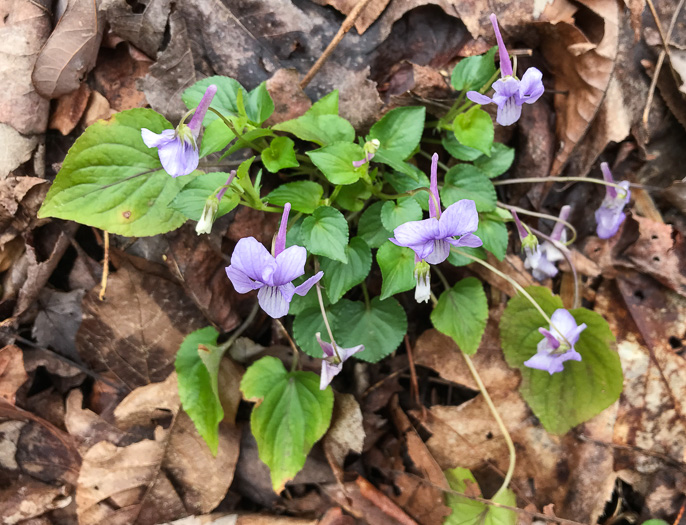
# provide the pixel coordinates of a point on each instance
(16, 149)
(145, 30)
(24, 27)
(346, 433)
(58, 320)
(71, 51)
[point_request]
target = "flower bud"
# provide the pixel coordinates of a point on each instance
(422, 275)
(209, 213)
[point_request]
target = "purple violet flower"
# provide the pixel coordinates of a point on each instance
(557, 345)
(510, 92)
(254, 268)
(178, 148)
(431, 238)
(549, 253)
(610, 215)
(334, 357)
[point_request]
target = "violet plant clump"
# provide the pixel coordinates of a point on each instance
(610, 215)
(178, 148)
(557, 345)
(254, 268)
(431, 238)
(510, 92)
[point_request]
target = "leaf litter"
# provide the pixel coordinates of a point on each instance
(91, 427)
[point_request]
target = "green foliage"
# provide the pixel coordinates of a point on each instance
(461, 313)
(304, 195)
(191, 199)
(336, 162)
(459, 151)
(470, 512)
(353, 197)
(321, 124)
(403, 183)
(198, 385)
(111, 180)
(258, 105)
(457, 259)
(291, 415)
(393, 213)
(370, 227)
(279, 155)
(216, 137)
(585, 388)
(309, 322)
(397, 269)
(493, 232)
(465, 181)
(325, 232)
(340, 277)
(498, 163)
(379, 327)
(474, 129)
(399, 131)
(472, 73)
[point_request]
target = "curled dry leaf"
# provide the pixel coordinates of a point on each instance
(582, 60)
(145, 29)
(71, 51)
(346, 433)
(142, 490)
(24, 27)
(12, 372)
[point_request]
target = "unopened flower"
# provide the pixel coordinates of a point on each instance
(370, 149)
(178, 148)
(431, 238)
(610, 215)
(557, 345)
(334, 357)
(510, 92)
(549, 254)
(209, 211)
(254, 268)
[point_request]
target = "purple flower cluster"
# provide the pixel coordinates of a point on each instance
(610, 215)
(431, 238)
(557, 345)
(254, 268)
(178, 148)
(510, 92)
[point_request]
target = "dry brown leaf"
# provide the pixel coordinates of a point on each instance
(290, 101)
(349, 496)
(71, 51)
(346, 433)
(16, 149)
(145, 29)
(12, 372)
(98, 108)
(366, 18)
(28, 498)
(138, 329)
(70, 109)
(512, 266)
(58, 320)
(582, 60)
(24, 26)
(116, 75)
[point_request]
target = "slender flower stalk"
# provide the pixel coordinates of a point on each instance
(209, 212)
(254, 268)
(557, 345)
(510, 92)
(178, 148)
(610, 215)
(431, 238)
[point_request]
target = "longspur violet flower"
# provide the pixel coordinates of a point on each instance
(510, 92)
(254, 268)
(178, 148)
(431, 238)
(334, 357)
(541, 259)
(610, 215)
(557, 345)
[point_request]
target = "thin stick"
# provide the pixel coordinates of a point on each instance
(534, 180)
(498, 420)
(414, 385)
(105, 265)
(345, 27)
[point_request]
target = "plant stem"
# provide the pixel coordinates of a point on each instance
(441, 277)
(557, 179)
(542, 216)
(239, 136)
(517, 286)
(498, 420)
(291, 343)
(242, 328)
(366, 294)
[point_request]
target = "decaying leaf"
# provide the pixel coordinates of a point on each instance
(345, 433)
(137, 331)
(145, 29)
(58, 320)
(12, 373)
(71, 50)
(368, 15)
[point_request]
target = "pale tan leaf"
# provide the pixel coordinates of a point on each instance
(346, 433)
(12, 372)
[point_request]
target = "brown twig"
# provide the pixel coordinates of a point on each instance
(345, 27)
(663, 53)
(414, 386)
(105, 265)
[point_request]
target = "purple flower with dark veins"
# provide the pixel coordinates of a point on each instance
(510, 92)
(178, 148)
(610, 215)
(254, 268)
(557, 345)
(334, 357)
(431, 238)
